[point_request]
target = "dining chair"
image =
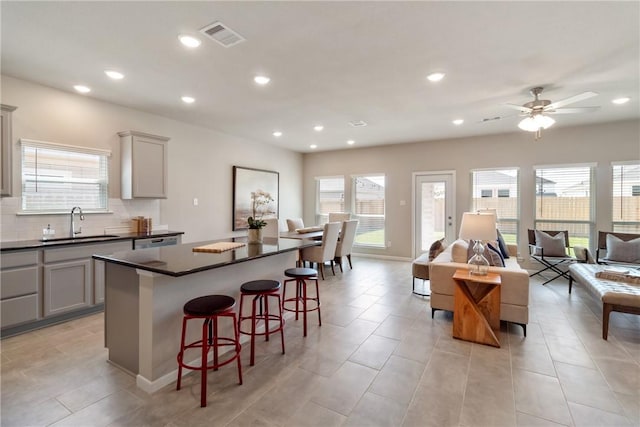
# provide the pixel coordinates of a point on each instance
(326, 251)
(271, 229)
(345, 242)
(295, 223)
(339, 216)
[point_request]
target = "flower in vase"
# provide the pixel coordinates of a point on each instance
(260, 201)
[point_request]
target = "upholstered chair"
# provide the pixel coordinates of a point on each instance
(326, 251)
(294, 224)
(271, 229)
(345, 242)
(339, 216)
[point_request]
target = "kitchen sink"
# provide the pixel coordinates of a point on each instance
(78, 238)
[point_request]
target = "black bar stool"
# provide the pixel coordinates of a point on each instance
(300, 276)
(210, 309)
(261, 290)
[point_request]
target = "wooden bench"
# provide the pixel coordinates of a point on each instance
(615, 295)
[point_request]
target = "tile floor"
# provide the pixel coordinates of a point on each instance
(377, 360)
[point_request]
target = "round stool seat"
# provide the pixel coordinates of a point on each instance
(208, 305)
(304, 273)
(260, 286)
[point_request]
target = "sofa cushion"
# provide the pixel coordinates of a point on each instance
(551, 245)
(621, 251)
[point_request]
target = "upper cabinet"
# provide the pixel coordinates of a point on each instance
(5, 152)
(144, 165)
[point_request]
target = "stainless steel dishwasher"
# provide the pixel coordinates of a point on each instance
(155, 242)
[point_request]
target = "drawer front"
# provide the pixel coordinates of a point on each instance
(19, 310)
(19, 281)
(19, 259)
(79, 251)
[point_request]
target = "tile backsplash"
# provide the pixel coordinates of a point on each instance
(25, 227)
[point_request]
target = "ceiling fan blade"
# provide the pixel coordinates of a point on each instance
(573, 110)
(519, 107)
(570, 100)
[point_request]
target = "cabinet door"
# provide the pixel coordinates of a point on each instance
(144, 162)
(6, 141)
(67, 286)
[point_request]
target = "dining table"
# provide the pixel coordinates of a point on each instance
(311, 235)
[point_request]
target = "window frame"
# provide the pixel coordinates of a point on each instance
(102, 181)
(546, 224)
(623, 226)
(322, 218)
(355, 215)
(514, 222)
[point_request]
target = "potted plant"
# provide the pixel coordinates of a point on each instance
(260, 201)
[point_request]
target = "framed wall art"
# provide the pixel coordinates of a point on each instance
(255, 194)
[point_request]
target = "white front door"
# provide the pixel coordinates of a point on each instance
(434, 204)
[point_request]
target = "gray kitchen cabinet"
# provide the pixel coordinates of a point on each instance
(6, 141)
(67, 286)
(144, 163)
(98, 266)
(21, 282)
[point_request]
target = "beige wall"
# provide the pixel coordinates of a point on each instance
(599, 144)
(200, 161)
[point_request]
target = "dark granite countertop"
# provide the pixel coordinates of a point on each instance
(180, 260)
(87, 239)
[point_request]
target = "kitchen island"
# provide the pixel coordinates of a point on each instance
(146, 289)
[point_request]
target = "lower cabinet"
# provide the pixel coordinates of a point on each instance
(67, 286)
(20, 281)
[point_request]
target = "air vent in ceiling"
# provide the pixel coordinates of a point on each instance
(222, 34)
(357, 123)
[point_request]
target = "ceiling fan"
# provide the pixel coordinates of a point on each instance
(536, 112)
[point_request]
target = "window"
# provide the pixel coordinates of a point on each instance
(505, 201)
(564, 202)
(626, 200)
(368, 209)
(329, 197)
(57, 177)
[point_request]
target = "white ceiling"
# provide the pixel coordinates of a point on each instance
(334, 62)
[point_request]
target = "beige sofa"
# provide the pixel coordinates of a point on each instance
(514, 290)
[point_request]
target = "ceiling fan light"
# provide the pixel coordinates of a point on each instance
(528, 124)
(544, 122)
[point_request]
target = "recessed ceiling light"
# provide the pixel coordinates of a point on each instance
(188, 99)
(82, 89)
(313, 146)
(261, 80)
(115, 75)
(435, 77)
(318, 128)
(189, 41)
(358, 123)
(277, 133)
(621, 101)
(351, 142)
(458, 122)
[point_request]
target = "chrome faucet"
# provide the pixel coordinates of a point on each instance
(73, 224)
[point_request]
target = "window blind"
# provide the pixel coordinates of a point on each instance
(497, 189)
(369, 209)
(626, 197)
(329, 197)
(57, 177)
(564, 201)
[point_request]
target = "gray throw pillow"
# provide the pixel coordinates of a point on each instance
(436, 249)
(551, 245)
(621, 251)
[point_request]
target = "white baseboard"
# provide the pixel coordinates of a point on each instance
(387, 257)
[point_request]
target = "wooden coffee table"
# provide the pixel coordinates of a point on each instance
(476, 313)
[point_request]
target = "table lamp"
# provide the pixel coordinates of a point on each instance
(478, 227)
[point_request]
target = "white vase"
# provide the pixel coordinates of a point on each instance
(254, 236)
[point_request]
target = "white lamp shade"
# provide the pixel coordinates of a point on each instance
(536, 122)
(476, 226)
